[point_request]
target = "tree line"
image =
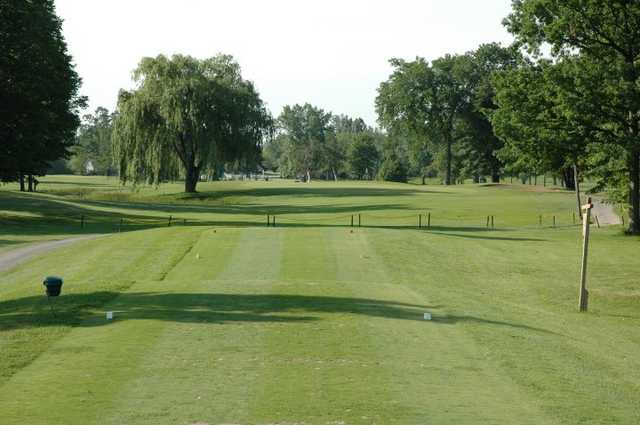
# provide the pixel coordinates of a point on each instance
(564, 100)
(311, 143)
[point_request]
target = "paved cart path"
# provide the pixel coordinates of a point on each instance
(14, 257)
(605, 213)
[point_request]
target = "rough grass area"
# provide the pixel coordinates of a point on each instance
(318, 323)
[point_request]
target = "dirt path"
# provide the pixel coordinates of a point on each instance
(605, 213)
(14, 257)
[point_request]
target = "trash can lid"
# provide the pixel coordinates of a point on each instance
(52, 280)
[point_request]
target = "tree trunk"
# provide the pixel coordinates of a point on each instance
(335, 176)
(447, 178)
(191, 178)
(631, 77)
(424, 179)
(577, 185)
(634, 192)
(21, 179)
(568, 178)
(30, 182)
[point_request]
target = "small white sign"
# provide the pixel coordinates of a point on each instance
(109, 315)
(427, 316)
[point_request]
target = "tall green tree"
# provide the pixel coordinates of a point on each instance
(306, 131)
(363, 156)
(420, 157)
(314, 143)
(347, 125)
(347, 131)
(604, 93)
(93, 150)
(532, 118)
(481, 143)
(39, 90)
(273, 152)
(395, 164)
(185, 117)
(428, 99)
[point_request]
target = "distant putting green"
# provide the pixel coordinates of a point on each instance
(226, 321)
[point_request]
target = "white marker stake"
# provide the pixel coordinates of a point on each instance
(109, 315)
(427, 316)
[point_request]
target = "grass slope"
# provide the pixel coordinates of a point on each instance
(321, 325)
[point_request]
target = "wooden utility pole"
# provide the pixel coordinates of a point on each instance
(586, 218)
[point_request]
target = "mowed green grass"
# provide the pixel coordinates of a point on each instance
(319, 323)
(105, 206)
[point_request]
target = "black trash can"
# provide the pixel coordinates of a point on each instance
(53, 285)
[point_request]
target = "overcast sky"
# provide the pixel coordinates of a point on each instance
(330, 53)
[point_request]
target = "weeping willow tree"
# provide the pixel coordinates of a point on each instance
(186, 117)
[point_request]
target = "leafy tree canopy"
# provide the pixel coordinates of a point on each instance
(185, 116)
(427, 99)
(598, 86)
(363, 156)
(93, 153)
(39, 100)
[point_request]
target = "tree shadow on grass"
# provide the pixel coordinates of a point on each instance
(45, 186)
(452, 319)
(479, 233)
(7, 242)
(40, 215)
(304, 191)
(81, 309)
(35, 214)
(250, 209)
(87, 310)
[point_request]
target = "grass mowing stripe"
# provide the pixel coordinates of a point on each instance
(297, 383)
(314, 369)
(216, 330)
(93, 360)
(383, 308)
(510, 325)
(437, 371)
(94, 271)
